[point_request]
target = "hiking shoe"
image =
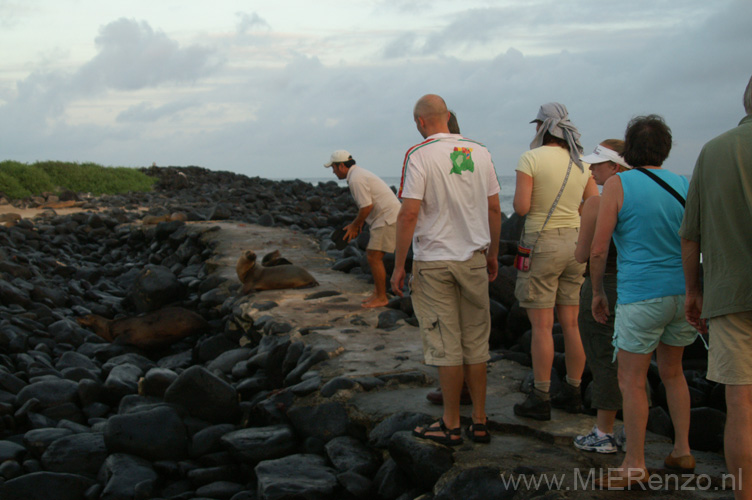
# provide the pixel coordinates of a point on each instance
(534, 407)
(593, 442)
(569, 399)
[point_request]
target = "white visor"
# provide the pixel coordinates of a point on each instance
(602, 154)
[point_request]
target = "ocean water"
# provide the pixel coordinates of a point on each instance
(505, 181)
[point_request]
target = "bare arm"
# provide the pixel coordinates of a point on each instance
(587, 229)
(523, 194)
(693, 303)
(353, 229)
(406, 221)
(494, 227)
(608, 214)
(591, 189)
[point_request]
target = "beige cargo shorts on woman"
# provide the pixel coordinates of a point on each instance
(555, 277)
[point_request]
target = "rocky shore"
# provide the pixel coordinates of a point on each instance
(284, 394)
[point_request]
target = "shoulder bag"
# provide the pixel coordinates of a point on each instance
(524, 253)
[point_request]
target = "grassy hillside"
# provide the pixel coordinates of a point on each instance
(19, 180)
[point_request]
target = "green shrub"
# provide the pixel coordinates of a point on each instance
(11, 188)
(85, 177)
(31, 177)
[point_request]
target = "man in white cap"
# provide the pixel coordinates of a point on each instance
(378, 206)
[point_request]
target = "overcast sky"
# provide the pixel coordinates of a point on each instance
(272, 88)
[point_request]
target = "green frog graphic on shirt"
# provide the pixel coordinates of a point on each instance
(461, 161)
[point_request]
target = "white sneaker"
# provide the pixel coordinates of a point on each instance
(593, 442)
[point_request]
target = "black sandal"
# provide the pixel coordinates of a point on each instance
(484, 437)
(446, 439)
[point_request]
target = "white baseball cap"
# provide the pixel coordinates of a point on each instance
(339, 156)
(602, 154)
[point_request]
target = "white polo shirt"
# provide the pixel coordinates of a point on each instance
(367, 189)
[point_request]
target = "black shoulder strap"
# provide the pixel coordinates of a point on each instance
(662, 183)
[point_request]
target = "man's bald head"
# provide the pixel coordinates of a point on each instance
(431, 115)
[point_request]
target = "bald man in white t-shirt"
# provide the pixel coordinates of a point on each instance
(450, 212)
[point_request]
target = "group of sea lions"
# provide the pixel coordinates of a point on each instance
(164, 327)
(274, 273)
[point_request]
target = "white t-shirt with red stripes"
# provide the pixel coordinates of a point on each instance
(453, 177)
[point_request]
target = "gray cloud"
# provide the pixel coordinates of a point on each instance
(251, 22)
(133, 56)
(145, 112)
(277, 121)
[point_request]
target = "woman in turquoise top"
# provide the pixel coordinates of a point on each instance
(644, 216)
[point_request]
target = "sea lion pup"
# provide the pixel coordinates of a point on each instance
(274, 259)
(256, 277)
(10, 219)
(153, 330)
(156, 219)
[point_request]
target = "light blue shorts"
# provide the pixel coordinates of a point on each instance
(639, 326)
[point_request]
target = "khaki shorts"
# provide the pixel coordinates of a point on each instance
(555, 277)
(383, 238)
(731, 349)
(451, 302)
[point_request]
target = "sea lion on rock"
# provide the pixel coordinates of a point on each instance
(256, 277)
(151, 331)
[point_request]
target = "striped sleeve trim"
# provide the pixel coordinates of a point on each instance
(407, 159)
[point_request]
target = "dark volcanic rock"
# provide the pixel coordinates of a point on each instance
(76, 453)
(46, 486)
(11, 451)
(348, 454)
(390, 481)
(324, 422)
(49, 393)
(336, 384)
(154, 434)
(256, 444)
(122, 473)
(204, 396)
(208, 440)
(155, 287)
(295, 476)
(156, 381)
(389, 319)
(423, 461)
(403, 421)
(478, 483)
(37, 440)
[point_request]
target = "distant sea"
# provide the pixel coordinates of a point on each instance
(505, 181)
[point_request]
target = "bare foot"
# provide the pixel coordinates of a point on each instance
(376, 302)
(368, 299)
